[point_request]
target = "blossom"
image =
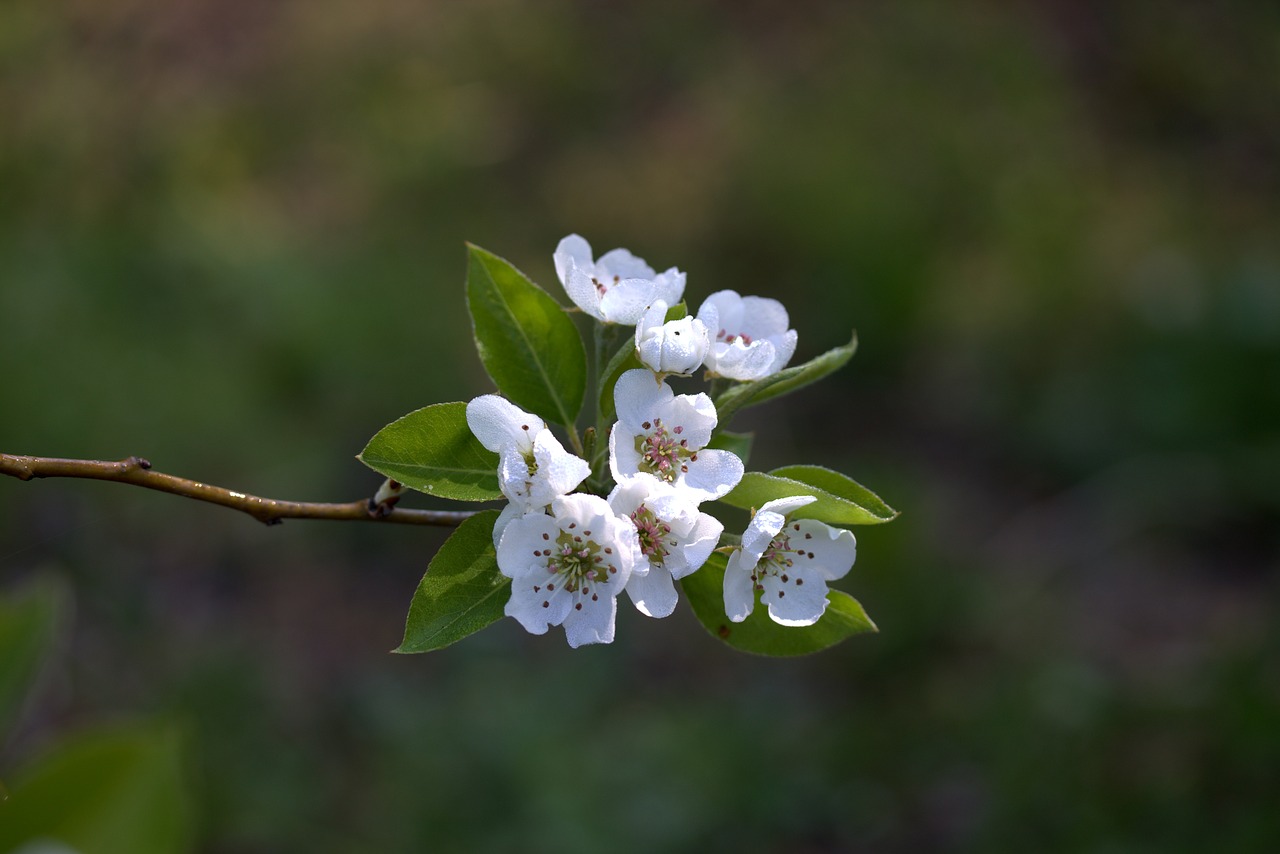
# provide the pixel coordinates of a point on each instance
(750, 335)
(790, 562)
(670, 347)
(533, 467)
(675, 539)
(662, 435)
(616, 288)
(569, 567)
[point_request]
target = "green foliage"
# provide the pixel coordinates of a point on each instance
(462, 591)
(29, 623)
(843, 618)
(784, 382)
(841, 500)
(433, 451)
(110, 791)
(526, 341)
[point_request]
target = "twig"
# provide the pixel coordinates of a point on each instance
(137, 471)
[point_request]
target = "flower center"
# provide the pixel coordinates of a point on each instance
(601, 287)
(662, 452)
(779, 557)
(729, 337)
(652, 532)
(578, 561)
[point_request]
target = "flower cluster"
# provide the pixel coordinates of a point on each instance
(572, 539)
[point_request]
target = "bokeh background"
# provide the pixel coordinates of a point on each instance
(231, 240)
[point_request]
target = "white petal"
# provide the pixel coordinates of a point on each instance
(536, 609)
(624, 459)
(761, 530)
(762, 317)
(521, 537)
(728, 309)
(582, 291)
(624, 265)
(669, 286)
(572, 250)
(628, 495)
(511, 511)
(739, 597)
(559, 472)
(697, 547)
(638, 396)
(834, 549)
(784, 347)
(788, 504)
(498, 423)
(695, 415)
(799, 601)
(626, 301)
(712, 475)
(652, 319)
(593, 623)
(653, 593)
(742, 362)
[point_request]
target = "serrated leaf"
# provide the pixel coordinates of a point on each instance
(113, 791)
(843, 618)
(854, 504)
(526, 341)
(433, 450)
(784, 382)
(738, 443)
(29, 621)
(462, 591)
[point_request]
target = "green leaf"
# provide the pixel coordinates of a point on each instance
(843, 618)
(433, 450)
(29, 622)
(111, 791)
(841, 501)
(462, 592)
(841, 486)
(784, 382)
(526, 341)
(738, 443)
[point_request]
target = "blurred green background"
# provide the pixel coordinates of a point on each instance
(231, 240)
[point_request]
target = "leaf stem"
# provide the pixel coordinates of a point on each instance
(137, 471)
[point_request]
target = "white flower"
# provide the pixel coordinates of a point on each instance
(674, 347)
(662, 435)
(750, 335)
(675, 539)
(569, 568)
(617, 287)
(533, 467)
(789, 562)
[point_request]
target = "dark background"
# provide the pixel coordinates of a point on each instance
(231, 240)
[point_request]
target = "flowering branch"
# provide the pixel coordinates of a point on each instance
(137, 471)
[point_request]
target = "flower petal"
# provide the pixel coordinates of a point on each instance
(535, 606)
(712, 475)
(624, 265)
(592, 623)
(626, 301)
(694, 415)
(521, 537)
(638, 396)
(559, 471)
(739, 597)
(653, 593)
(582, 291)
(799, 601)
(498, 423)
(573, 250)
(833, 550)
(762, 318)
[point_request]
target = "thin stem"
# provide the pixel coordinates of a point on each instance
(137, 471)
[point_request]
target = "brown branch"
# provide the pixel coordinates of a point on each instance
(137, 471)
